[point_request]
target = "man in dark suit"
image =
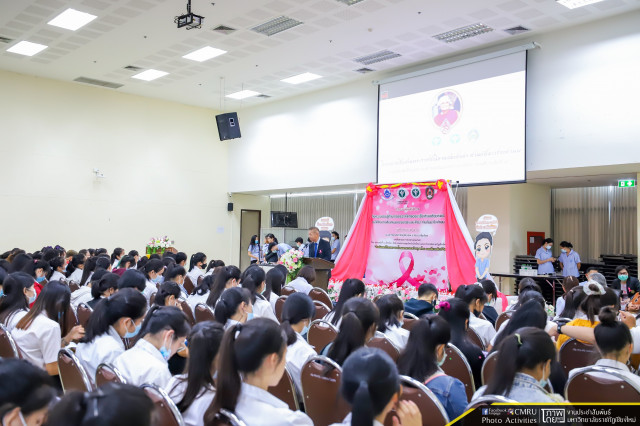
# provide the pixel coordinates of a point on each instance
(317, 247)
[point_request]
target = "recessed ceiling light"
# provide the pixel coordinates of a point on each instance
(463, 33)
(204, 54)
(26, 48)
(243, 94)
(572, 4)
(301, 78)
(149, 75)
(72, 19)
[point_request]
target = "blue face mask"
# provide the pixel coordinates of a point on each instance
(166, 354)
(134, 333)
(157, 279)
(59, 316)
(305, 330)
(249, 316)
(1, 293)
(39, 279)
(543, 382)
(32, 299)
(441, 361)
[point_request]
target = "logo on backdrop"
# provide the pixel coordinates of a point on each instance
(325, 224)
(402, 193)
(446, 110)
(486, 226)
(430, 193)
(386, 194)
(415, 192)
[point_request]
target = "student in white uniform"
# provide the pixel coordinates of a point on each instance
(227, 278)
(83, 294)
(274, 279)
(177, 274)
(19, 293)
(253, 358)
(391, 318)
(88, 270)
(117, 254)
(305, 279)
(371, 384)
(57, 269)
(193, 392)
(197, 265)
(115, 317)
(132, 279)
(233, 307)
(168, 295)
(153, 270)
(530, 314)
(75, 268)
(475, 296)
(358, 326)
(103, 288)
(37, 334)
(201, 292)
(352, 287)
(163, 333)
(297, 314)
(253, 280)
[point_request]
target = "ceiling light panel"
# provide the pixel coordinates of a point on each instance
(573, 4)
(301, 78)
(243, 94)
(72, 19)
(204, 54)
(349, 2)
(463, 33)
(276, 26)
(149, 75)
(26, 48)
(383, 55)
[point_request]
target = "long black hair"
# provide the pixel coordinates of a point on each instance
(19, 261)
(126, 303)
(14, 298)
(251, 279)
(76, 261)
(166, 290)
(611, 335)
(165, 318)
(154, 265)
(253, 241)
(55, 263)
(243, 350)
(369, 381)
(195, 259)
(275, 280)
(418, 359)
(389, 306)
(204, 343)
(132, 278)
(531, 314)
(53, 300)
(89, 267)
(298, 307)
(456, 312)
(229, 302)
(106, 282)
(359, 315)
(118, 251)
(472, 293)
(24, 385)
(204, 286)
(220, 283)
(350, 288)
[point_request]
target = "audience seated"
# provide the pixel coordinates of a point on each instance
(567, 284)
(253, 279)
(168, 294)
(18, 295)
(275, 279)
(426, 301)
(75, 267)
(57, 269)
(233, 307)
(391, 318)
(358, 326)
(177, 274)
(153, 270)
(103, 288)
(305, 279)
(350, 288)
(227, 277)
(489, 311)
(197, 265)
(132, 279)
(474, 296)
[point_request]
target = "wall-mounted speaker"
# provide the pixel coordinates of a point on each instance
(230, 207)
(228, 126)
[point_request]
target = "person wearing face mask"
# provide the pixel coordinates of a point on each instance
(113, 318)
(57, 269)
(168, 295)
(569, 260)
(489, 311)
(627, 285)
(163, 333)
(177, 274)
(335, 245)
(297, 314)
(38, 270)
(426, 301)
(18, 295)
(103, 288)
(233, 307)
(424, 355)
(525, 365)
(153, 270)
(391, 319)
(197, 266)
(226, 277)
(299, 243)
(254, 280)
(544, 258)
(254, 249)
(474, 296)
(272, 253)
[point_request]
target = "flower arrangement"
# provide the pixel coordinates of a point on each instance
(292, 260)
(404, 292)
(158, 245)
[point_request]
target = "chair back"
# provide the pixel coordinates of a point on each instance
(456, 365)
(8, 347)
(601, 384)
(489, 367)
(487, 400)
(152, 298)
(204, 313)
(320, 380)
(408, 323)
(187, 311)
(320, 334)
(165, 412)
(106, 373)
(280, 306)
(321, 310)
(409, 315)
(285, 391)
(73, 286)
(427, 402)
(227, 418)
(381, 342)
(188, 285)
(475, 338)
(84, 312)
(287, 290)
(575, 354)
(72, 374)
(320, 295)
(68, 321)
(502, 318)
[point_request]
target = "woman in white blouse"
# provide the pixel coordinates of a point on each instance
(274, 280)
(18, 295)
(390, 322)
(233, 307)
(227, 277)
(475, 296)
(115, 317)
(197, 266)
(153, 270)
(163, 333)
(253, 358)
(76, 267)
(57, 269)
(304, 280)
(253, 279)
(193, 392)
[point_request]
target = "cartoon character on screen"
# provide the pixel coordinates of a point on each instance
(446, 111)
(483, 249)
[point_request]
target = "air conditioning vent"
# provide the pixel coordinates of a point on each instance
(276, 26)
(349, 2)
(516, 30)
(263, 96)
(223, 29)
(5, 39)
(133, 68)
(364, 70)
(463, 33)
(98, 82)
(374, 58)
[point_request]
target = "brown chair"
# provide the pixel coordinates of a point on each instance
(8, 347)
(489, 367)
(320, 380)
(320, 295)
(487, 400)
(320, 334)
(381, 342)
(72, 375)
(285, 391)
(152, 298)
(73, 286)
(280, 307)
(456, 365)
(502, 318)
(204, 313)
(84, 312)
(475, 338)
(601, 384)
(165, 412)
(287, 290)
(321, 310)
(408, 323)
(188, 285)
(433, 413)
(187, 311)
(108, 374)
(575, 354)
(68, 321)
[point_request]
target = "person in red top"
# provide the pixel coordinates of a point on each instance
(126, 262)
(38, 269)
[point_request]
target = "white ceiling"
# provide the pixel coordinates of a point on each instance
(142, 33)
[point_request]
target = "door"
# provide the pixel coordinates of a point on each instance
(249, 226)
(534, 242)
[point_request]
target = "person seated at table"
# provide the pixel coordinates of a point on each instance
(426, 301)
(391, 319)
(627, 284)
(305, 279)
(474, 296)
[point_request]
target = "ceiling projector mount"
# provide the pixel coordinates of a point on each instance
(190, 20)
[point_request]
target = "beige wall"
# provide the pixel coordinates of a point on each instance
(166, 170)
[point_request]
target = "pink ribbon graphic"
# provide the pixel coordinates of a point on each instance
(406, 272)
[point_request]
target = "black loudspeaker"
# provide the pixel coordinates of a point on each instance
(230, 207)
(228, 126)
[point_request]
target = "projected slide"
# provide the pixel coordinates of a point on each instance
(466, 124)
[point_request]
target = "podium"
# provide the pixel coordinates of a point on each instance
(323, 269)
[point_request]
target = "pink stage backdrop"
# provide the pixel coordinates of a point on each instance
(408, 234)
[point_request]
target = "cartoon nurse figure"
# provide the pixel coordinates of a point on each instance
(483, 249)
(446, 110)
